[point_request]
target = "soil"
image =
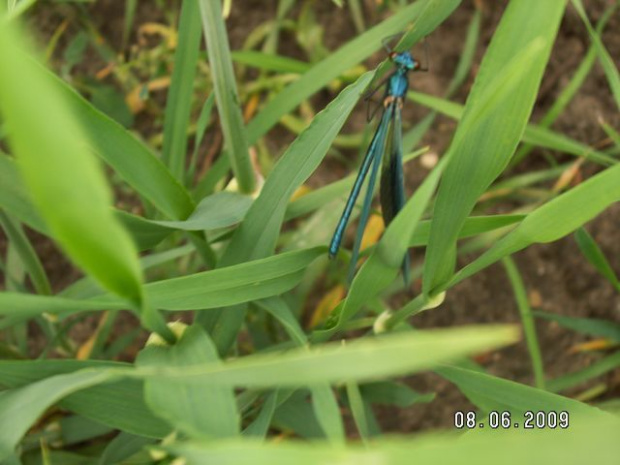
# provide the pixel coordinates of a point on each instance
(557, 276)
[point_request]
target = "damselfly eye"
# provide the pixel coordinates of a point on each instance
(393, 55)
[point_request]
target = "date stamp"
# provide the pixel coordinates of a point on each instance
(506, 420)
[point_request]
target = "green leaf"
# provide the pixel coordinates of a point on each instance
(234, 284)
(534, 135)
(327, 412)
(210, 289)
(119, 405)
(526, 320)
(553, 220)
(368, 359)
(495, 117)
(491, 393)
(14, 197)
(257, 235)
(358, 409)
(109, 140)
(590, 326)
(226, 96)
(199, 410)
(19, 408)
(84, 226)
(473, 226)
(427, 14)
(277, 307)
(28, 255)
(385, 260)
(324, 195)
(392, 393)
(269, 62)
(611, 71)
(260, 426)
(201, 128)
(296, 414)
(576, 378)
(123, 446)
(179, 101)
(220, 210)
(570, 89)
(595, 256)
(109, 100)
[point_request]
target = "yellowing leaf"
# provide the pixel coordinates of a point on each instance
(300, 192)
(597, 344)
(570, 175)
(86, 349)
(373, 231)
(167, 33)
(327, 305)
(135, 100)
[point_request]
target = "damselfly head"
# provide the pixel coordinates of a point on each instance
(405, 60)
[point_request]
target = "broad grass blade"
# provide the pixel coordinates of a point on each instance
(203, 410)
(495, 117)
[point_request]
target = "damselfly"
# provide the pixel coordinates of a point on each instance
(387, 138)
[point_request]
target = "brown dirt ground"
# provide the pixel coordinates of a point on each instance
(557, 272)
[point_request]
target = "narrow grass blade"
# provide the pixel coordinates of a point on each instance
(122, 447)
(278, 308)
(393, 393)
(611, 133)
(260, 426)
(570, 89)
(553, 220)
(490, 393)
(595, 256)
(20, 241)
(16, 304)
(473, 226)
(535, 135)
(226, 94)
(270, 62)
(495, 117)
(526, 320)
(576, 378)
(346, 57)
(130, 13)
(356, 403)
(202, 410)
(327, 412)
(590, 326)
(84, 226)
(611, 71)
(201, 129)
(179, 101)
